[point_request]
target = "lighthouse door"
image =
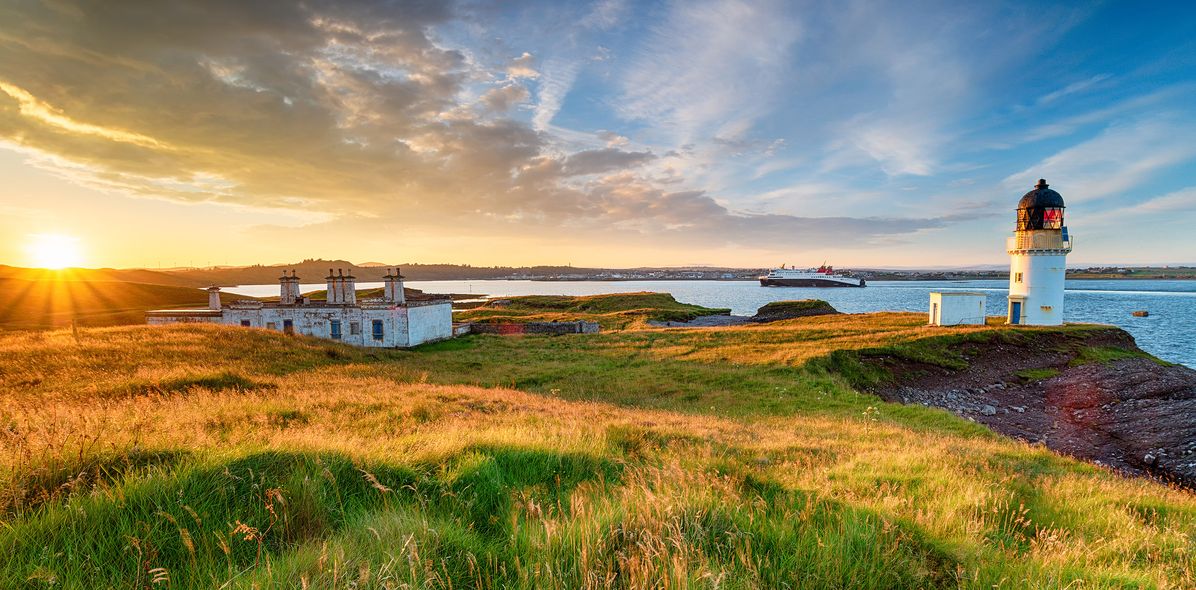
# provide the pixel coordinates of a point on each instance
(1015, 312)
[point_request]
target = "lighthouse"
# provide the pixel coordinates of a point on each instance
(1038, 259)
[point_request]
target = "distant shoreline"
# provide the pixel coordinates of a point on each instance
(892, 279)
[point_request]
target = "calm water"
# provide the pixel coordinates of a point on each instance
(1169, 332)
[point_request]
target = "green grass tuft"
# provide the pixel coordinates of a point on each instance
(1108, 354)
(1038, 374)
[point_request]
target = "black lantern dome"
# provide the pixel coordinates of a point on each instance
(1041, 208)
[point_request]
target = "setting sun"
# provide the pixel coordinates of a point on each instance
(54, 251)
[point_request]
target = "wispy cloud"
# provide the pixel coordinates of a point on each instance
(30, 106)
(1063, 126)
(1119, 158)
(1073, 88)
(1173, 206)
(708, 65)
(605, 14)
(558, 77)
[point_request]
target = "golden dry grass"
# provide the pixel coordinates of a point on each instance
(202, 456)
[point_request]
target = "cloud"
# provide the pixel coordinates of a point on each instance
(503, 98)
(558, 80)
(1073, 88)
(709, 61)
(358, 111)
(1181, 200)
(897, 150)
(1144, 103)
(605, 14)
(604, 160)
(1120, 158)
(30, 106)
(611, 138)
(523, 67)
(1175, 206)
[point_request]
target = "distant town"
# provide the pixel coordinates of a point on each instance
(734, 274)
(314, 270)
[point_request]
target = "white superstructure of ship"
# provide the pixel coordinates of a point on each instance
(823, 276)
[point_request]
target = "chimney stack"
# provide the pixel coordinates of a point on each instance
(333, 288)
(214, 298)
(350, 289)
(289, 288)
(392, 289)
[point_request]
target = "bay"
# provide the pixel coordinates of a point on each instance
(1169, 332)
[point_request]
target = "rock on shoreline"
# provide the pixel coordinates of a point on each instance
(787, 310)
(770, 312)
(1133, 414)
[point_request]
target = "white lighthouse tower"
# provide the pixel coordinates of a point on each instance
(1038, 259)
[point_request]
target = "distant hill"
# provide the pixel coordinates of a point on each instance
(314, 271)
(131, 275)
(46, 301)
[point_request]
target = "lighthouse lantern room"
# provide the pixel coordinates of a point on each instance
(1038, 259)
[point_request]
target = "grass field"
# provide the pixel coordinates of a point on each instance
(208, 457)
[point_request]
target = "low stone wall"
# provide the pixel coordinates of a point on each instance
(536, 328)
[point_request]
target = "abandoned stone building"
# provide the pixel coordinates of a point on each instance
(397, 319)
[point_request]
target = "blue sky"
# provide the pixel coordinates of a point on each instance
(610, 133)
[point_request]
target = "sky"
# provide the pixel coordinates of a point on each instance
(610, 133)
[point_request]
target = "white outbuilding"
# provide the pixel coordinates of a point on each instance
(955, 308)
(397, 319)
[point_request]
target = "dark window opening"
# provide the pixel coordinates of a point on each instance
(246, 323)
(377, 327)
(335, 329)
(288, 326)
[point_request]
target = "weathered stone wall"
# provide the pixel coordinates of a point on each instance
(180, 319)
(427, 323)
(537, 328)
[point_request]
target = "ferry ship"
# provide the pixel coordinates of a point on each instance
(823, 276)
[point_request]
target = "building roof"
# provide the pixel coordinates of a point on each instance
(1041, 198)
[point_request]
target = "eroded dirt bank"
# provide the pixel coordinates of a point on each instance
(1098, 398)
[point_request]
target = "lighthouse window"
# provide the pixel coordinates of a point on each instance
(1017, 277)
(1052, 218)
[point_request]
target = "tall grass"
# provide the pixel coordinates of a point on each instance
(206, 457)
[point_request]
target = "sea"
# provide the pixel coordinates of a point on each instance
(1168, 332)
